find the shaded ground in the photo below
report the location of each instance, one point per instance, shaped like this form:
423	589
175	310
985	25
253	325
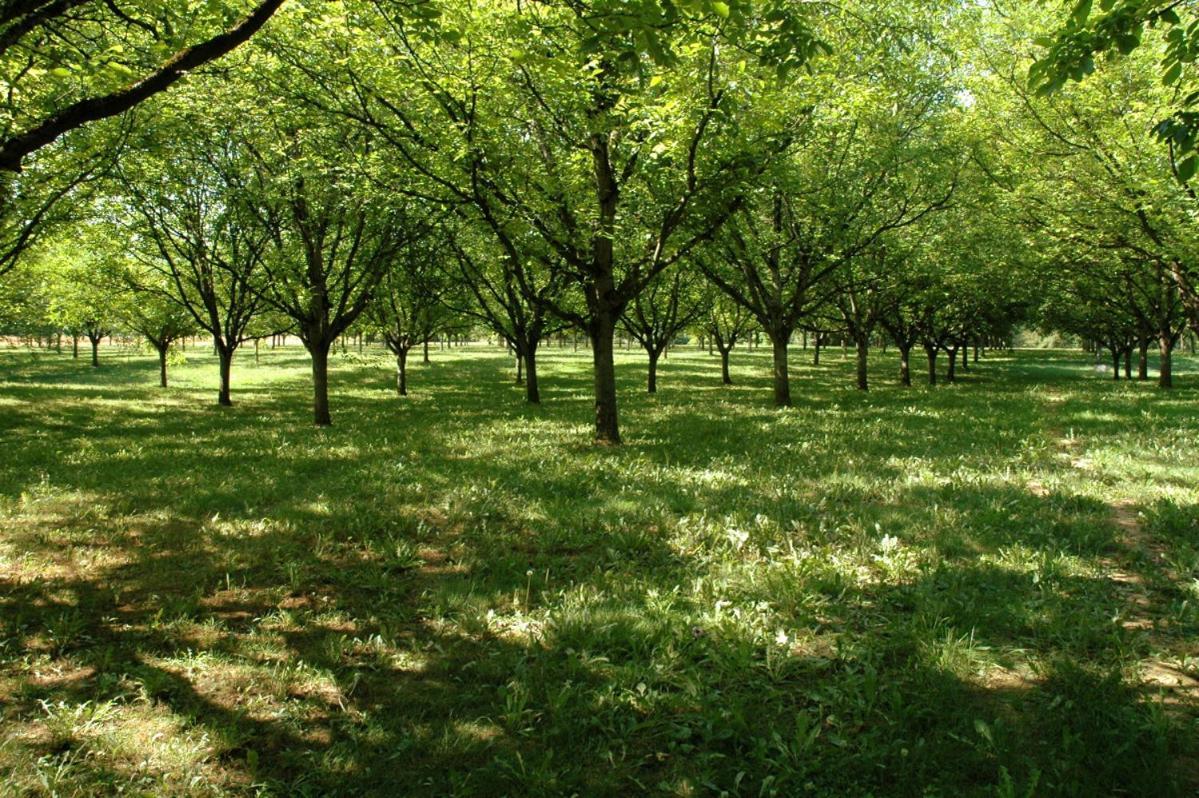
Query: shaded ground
983	589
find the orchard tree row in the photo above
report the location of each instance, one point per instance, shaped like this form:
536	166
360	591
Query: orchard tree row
924	174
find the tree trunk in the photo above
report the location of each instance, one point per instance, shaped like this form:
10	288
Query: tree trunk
402	371
520	369
75	346
863	345
816	350
782	379
95	352
320	383
1128	363
602	331
226	364
1143	359
724	367
532	390
1116	365
931	352
652	379
965	358
951	371
976	352
905	365
162	363
426	352
1165	368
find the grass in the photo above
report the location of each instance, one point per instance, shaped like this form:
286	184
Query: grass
990	588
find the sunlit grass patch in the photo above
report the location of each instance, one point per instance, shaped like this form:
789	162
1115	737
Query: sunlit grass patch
903	592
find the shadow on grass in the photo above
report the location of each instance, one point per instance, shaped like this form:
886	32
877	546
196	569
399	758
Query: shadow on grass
454	595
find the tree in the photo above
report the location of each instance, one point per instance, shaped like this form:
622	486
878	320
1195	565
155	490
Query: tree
188	206
158	318
333	237
68	64
85	299
592	129
71	62
410	308
510	295
726	322
657	315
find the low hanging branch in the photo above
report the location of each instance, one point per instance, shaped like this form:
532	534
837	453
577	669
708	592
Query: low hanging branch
14	149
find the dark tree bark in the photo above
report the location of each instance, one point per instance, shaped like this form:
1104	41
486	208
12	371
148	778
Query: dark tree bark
863	346
1165	368
1143	359
905	364
532	390
14	149
724	366
225	354
162	363
402	371
931	350
782	377
601	330
319	350
652	378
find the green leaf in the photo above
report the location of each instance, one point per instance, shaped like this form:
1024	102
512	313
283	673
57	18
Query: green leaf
721	9
1186	169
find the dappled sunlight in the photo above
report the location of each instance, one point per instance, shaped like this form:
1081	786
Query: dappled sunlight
886	584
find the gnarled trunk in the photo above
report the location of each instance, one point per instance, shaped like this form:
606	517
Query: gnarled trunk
651	383
724	367
931	352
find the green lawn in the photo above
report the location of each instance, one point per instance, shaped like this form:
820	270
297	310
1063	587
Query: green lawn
989	588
